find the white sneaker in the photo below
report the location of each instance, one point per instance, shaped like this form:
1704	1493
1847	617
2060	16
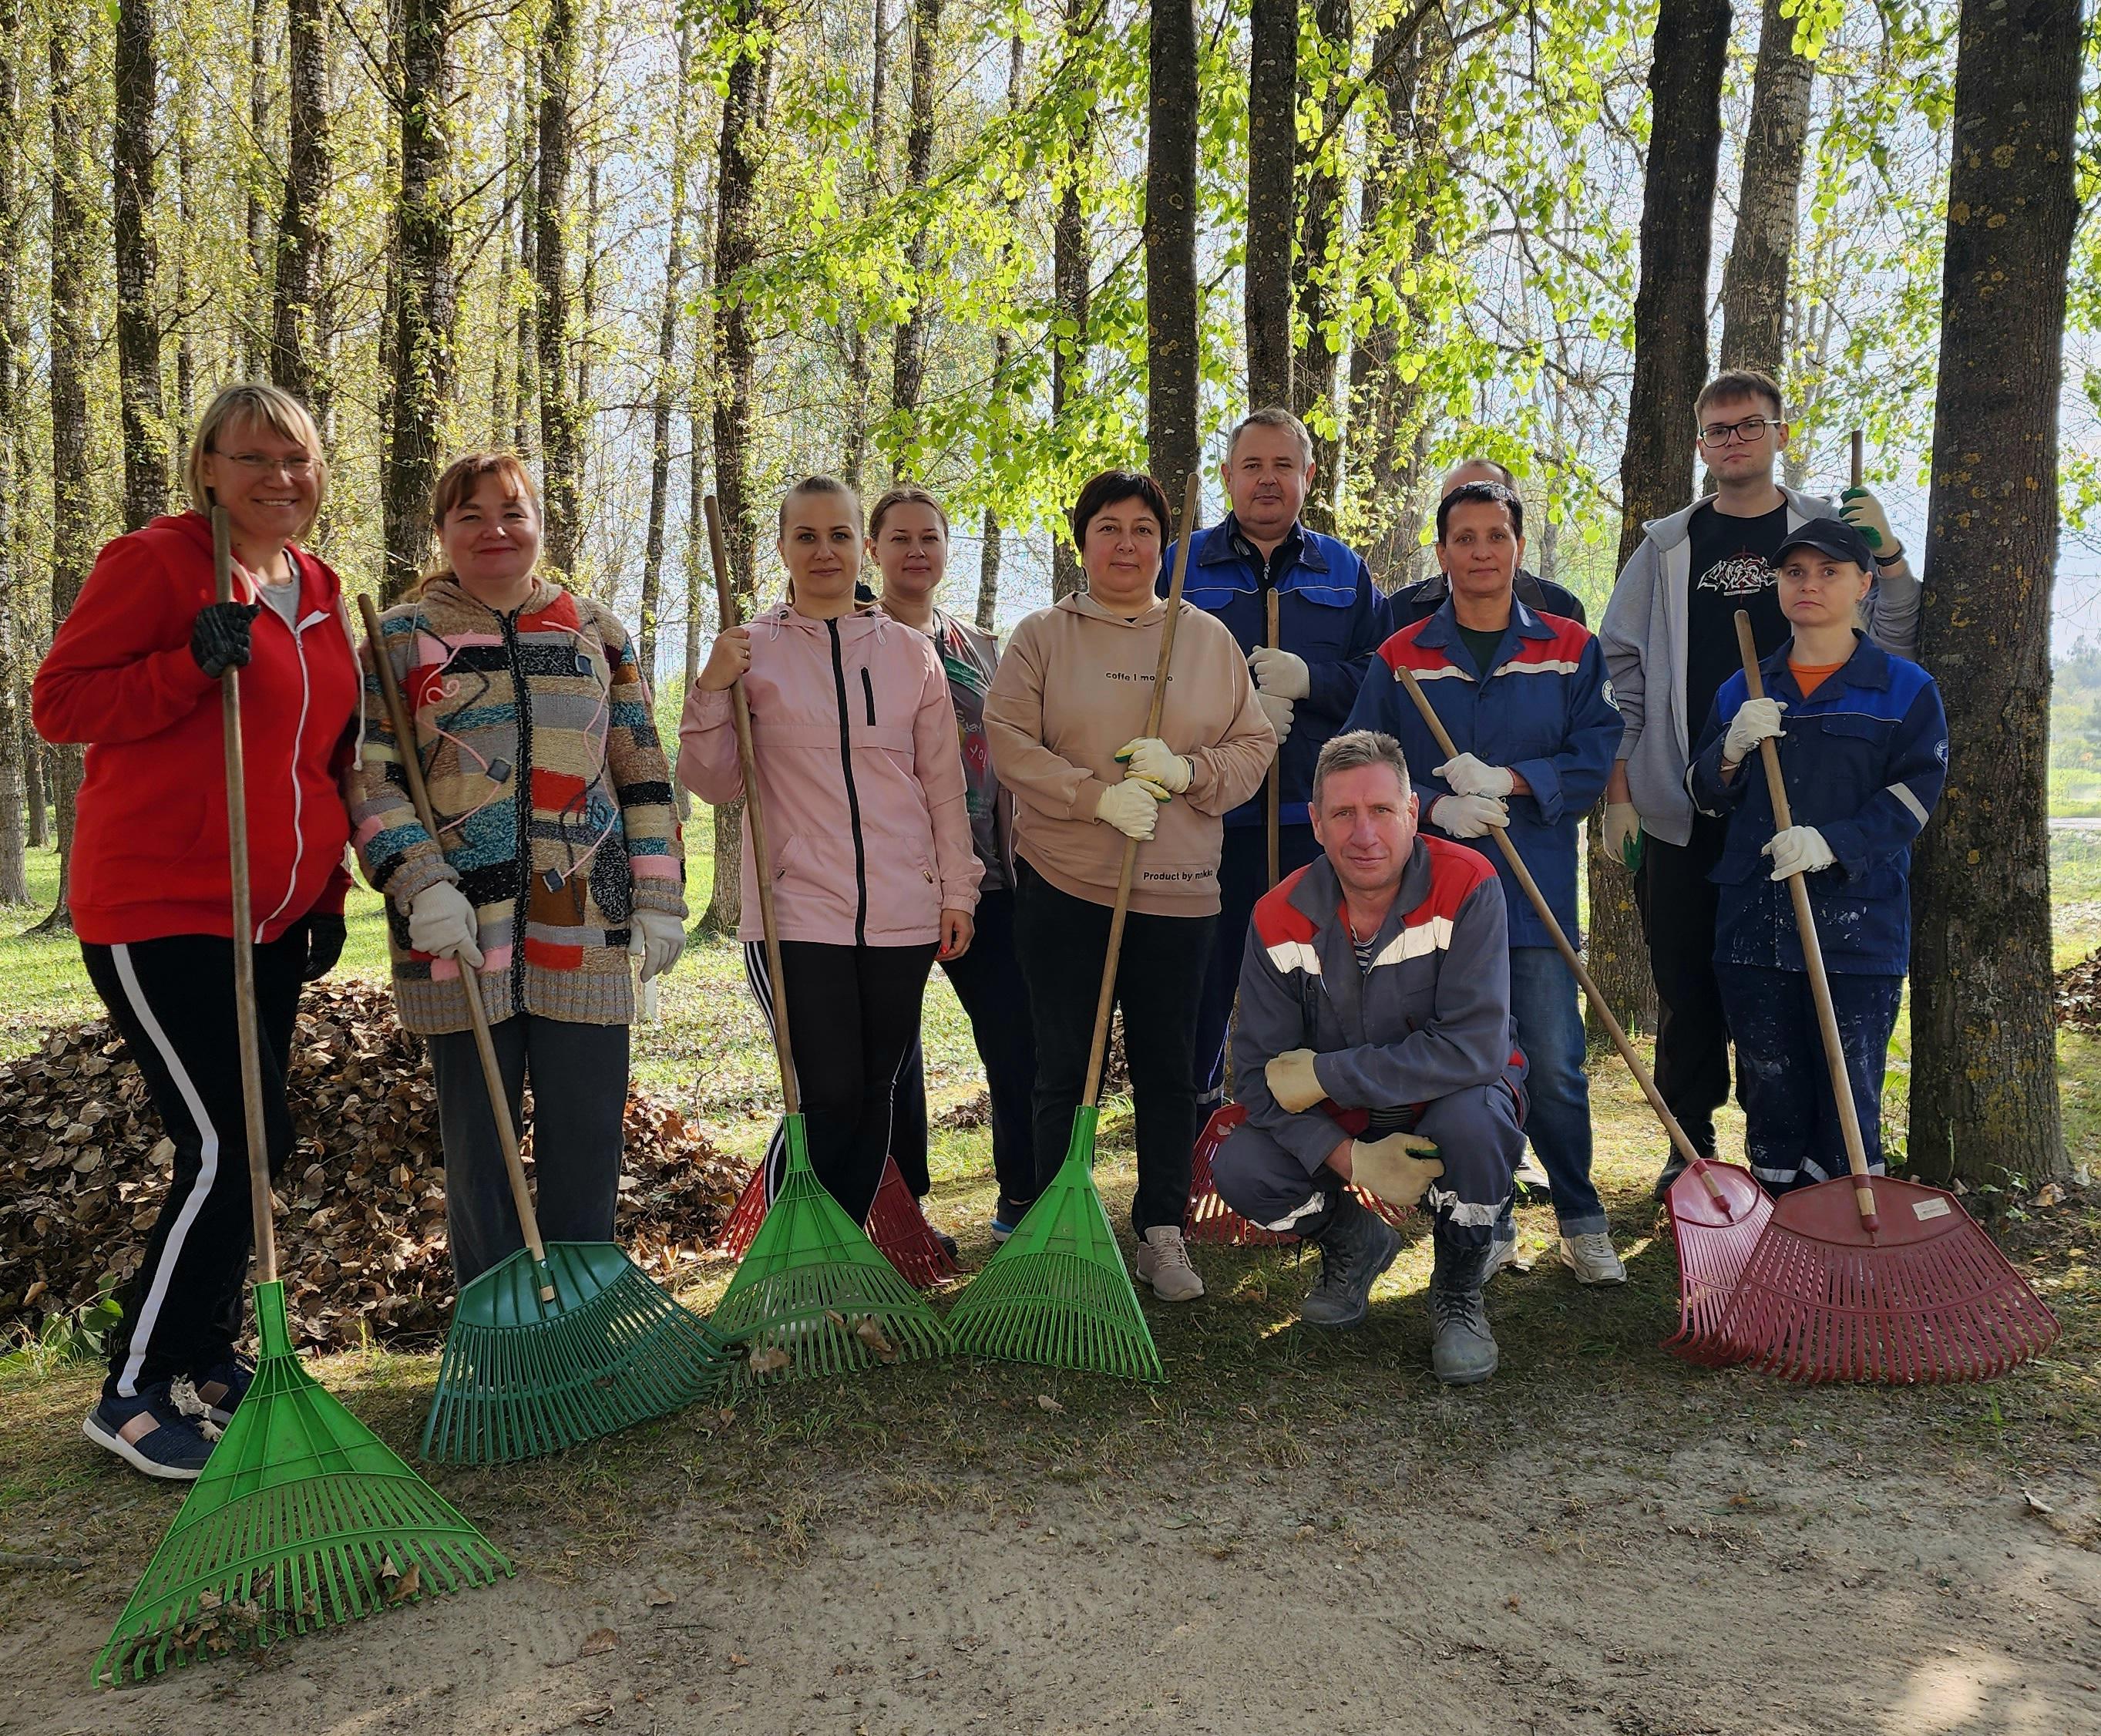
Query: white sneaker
1163	1262
1501	1254
1529	1172
1592	1259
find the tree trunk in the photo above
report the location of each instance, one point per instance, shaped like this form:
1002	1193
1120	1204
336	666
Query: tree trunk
561	443
1754	281
185	215
667	355
1670	366
528	223
35	775
73	202
296	343
860	366
1319	262
700	578
1071	279
908	361
1171	293
427	292
137	275
1272	166
1983	1084
255	333
16	760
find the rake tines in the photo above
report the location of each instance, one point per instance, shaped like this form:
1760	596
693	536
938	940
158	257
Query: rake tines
1717	1213
899	1227
745	1217
1208	1218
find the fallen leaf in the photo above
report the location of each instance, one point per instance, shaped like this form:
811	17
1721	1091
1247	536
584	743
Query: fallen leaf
870	1332
407	1585
737	1660
598	1642
2049	1194
1045	1401
768	1359
2036	1506
659	1598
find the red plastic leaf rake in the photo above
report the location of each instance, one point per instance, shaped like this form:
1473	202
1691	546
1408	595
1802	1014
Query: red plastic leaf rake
1834	1292
1210	1219
895	1224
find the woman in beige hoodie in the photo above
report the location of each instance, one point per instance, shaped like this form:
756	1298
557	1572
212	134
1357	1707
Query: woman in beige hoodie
1064	720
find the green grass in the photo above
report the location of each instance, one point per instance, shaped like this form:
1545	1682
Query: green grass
2075	793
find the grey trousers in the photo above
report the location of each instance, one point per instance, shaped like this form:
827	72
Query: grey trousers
579	1079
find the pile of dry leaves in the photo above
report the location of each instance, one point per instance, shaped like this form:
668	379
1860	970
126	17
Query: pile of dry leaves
2079	994
361	1210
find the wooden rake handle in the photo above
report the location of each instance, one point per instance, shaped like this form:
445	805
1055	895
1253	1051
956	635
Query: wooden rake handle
1569	957
1098	1052
754	819
491	1075
1812	953
1859	443
244	928
1273	797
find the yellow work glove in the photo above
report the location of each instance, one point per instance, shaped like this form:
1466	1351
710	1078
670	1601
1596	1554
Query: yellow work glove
1398	1168
1292	1081
1150	760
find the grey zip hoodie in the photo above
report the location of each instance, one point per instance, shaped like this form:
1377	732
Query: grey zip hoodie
1643	636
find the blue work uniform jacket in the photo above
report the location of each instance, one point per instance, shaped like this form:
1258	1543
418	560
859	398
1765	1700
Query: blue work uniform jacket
1542	710
1329	613
1863	760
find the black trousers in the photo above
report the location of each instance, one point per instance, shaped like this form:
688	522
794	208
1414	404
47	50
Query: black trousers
579	1079
1242	878
1677	904
173	1001
852	1012
1062	942
987	980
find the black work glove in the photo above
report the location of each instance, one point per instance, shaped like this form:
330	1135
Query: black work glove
218	636
324	935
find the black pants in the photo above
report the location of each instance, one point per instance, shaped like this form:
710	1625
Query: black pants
852	1012
579	1077
987	980
173	1001
1242	878
1677	904
1062	942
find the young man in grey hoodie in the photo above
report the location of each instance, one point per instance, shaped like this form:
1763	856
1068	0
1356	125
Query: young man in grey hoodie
1669	640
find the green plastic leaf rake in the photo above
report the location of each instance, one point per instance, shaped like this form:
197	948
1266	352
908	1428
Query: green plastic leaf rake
813	1295
522	1376
302	1518
1057	1292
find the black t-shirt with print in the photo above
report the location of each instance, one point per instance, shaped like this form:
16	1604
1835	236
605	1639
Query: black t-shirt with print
1731	570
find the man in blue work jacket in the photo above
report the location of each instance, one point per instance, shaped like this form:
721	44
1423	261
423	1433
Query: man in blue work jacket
1523	696
1330	620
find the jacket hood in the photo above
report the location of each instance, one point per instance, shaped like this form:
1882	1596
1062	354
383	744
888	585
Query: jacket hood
1083	603
858	623
1670	531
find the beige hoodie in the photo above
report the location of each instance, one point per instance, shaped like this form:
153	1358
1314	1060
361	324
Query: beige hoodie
1074	686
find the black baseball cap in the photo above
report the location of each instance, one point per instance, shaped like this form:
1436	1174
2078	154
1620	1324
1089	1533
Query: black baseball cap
1829	536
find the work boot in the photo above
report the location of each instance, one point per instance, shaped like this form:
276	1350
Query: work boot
1163	1262
1356	1245
1462	1350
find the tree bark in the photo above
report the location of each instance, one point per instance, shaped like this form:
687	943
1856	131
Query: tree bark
296	340
1071	279
561	429
427	295
1754	281
667	356
1670	366
137	72
1983	1084
861	367
73	202
1273	166
254	332
1171	293
16	759
908	359
1318	263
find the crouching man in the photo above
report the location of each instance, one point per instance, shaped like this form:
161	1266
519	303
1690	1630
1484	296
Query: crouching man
1374	1046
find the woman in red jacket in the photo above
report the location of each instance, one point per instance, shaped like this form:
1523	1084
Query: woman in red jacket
134	675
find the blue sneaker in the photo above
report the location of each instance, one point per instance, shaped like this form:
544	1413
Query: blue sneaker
1007	1218
149	1434
221	1386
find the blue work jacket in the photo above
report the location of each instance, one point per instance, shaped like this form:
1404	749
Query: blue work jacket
1863	760
1329	613
1542	710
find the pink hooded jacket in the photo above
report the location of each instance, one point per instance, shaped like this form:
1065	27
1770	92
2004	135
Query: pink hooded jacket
859	778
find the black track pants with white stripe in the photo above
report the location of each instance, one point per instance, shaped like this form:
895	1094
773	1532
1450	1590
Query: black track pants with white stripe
173	1000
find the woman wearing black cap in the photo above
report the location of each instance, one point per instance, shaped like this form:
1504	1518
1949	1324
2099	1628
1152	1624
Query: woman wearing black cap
1863	755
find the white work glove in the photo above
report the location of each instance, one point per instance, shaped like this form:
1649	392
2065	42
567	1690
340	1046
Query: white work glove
1398	1168
1278	710
1293	1081
1622	832
1467	815
1469	776
1800	849
1280	672
655	937
1755	720
1865	513
1151	760
442	923
1132	808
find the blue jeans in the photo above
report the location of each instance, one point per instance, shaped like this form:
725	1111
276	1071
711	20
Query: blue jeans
1550	1030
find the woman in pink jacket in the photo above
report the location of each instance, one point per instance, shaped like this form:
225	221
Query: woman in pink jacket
873	870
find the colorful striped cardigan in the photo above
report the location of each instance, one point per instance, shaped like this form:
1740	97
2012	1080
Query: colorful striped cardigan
549	703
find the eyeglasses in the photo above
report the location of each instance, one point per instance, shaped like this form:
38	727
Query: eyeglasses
257	464
1750	430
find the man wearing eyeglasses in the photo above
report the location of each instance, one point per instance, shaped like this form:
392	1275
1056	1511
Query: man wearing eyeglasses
1669	640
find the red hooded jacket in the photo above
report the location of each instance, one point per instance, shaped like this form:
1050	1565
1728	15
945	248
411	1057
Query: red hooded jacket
149	854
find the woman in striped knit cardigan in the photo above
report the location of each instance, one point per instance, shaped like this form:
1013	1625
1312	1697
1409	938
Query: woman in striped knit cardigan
558	856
